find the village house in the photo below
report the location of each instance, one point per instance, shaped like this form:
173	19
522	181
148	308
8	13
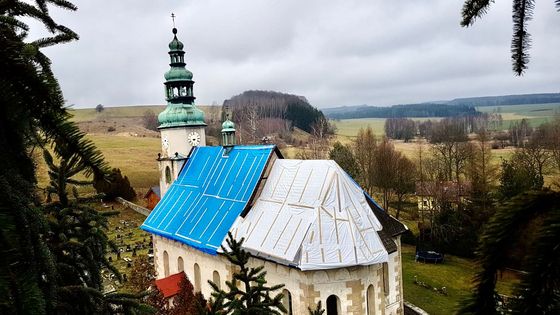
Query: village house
432	194
152	197
308	222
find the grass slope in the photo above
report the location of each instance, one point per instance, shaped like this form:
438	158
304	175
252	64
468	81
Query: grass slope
455	274
85	114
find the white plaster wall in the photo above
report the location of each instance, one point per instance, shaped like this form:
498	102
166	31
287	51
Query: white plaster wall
177	138
175	167
326	282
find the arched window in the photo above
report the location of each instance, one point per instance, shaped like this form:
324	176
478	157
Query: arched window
333	305
168	175
165	263
370	300
287	301
180	264
216	279
196	278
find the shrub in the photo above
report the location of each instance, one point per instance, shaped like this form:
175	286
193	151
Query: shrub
114	185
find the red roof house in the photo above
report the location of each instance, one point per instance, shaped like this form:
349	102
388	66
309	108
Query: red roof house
170	286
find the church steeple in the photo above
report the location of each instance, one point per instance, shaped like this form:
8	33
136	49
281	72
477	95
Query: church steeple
181	110
181	124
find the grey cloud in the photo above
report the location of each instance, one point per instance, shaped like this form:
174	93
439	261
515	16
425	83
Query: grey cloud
333	52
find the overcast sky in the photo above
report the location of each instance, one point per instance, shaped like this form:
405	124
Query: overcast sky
332	52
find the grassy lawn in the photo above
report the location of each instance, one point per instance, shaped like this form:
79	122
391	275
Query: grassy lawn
455	274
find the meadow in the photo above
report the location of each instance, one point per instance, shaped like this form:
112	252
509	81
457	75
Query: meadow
536	114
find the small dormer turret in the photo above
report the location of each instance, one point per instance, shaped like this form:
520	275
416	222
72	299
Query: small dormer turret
228	132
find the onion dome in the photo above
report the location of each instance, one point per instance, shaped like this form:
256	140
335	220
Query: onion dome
175	43
228	125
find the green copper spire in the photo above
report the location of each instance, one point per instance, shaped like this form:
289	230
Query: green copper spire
181	110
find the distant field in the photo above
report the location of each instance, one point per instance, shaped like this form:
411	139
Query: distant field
350	127
85	114
536	114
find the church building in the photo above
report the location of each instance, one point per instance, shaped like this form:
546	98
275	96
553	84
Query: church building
308	222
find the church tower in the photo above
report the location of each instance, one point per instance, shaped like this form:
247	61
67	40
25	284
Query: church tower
181	124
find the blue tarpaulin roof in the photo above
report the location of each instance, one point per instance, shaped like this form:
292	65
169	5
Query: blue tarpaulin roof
211	191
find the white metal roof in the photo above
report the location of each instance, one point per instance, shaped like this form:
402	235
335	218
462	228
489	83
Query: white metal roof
312	215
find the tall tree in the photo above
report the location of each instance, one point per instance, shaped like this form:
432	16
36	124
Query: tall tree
385	166
450	145
516	178
343	155
482	174
405	180
365	146
538	290
521	41
247	293
78	243
32	112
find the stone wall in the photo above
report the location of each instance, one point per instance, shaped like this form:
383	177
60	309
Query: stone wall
350	285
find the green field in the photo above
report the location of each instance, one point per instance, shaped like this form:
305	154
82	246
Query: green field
536	114
135	156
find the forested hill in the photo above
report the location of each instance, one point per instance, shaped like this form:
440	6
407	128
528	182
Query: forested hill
455	107
270	105
508	100
396	111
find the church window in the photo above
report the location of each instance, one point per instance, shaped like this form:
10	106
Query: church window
183	91
370	300
333	305
180	264
386	279
168	175
165	263
196	278
216	279
287	301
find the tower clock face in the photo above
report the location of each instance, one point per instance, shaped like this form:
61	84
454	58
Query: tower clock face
193	138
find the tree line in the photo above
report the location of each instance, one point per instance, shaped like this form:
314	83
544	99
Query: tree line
409	110
407	129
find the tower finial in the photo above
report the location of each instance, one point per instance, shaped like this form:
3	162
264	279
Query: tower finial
173	18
